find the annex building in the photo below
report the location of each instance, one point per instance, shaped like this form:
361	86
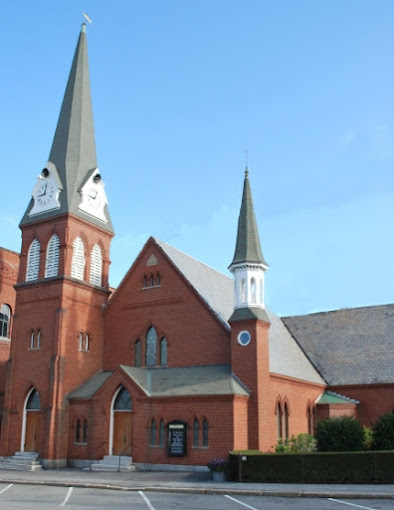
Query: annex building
180	363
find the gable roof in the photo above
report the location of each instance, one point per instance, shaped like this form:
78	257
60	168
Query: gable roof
351	346
217	290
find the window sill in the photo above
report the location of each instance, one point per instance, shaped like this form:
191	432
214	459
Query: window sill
80	444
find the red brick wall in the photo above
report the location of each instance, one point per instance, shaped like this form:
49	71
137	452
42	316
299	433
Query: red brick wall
375	400
193	335
60	308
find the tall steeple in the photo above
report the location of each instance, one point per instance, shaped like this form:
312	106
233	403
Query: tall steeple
72	160
248	265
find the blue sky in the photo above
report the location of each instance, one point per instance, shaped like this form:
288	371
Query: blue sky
180	89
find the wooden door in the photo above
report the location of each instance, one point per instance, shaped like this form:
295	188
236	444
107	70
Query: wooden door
32	431
123	433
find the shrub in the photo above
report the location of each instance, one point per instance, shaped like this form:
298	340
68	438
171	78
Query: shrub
340	434
303	443
367	438
218	465
383	433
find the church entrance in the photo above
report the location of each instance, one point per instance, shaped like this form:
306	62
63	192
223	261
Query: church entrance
32	422
122	423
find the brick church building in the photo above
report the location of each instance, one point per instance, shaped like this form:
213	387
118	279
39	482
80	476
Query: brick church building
180	363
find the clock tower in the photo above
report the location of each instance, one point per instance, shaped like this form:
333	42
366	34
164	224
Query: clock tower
63	282
249	321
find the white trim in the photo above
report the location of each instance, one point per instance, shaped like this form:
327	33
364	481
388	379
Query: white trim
24	420
111	422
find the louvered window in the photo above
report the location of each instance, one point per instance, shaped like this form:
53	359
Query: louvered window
33	261
96	265
78	261
52	262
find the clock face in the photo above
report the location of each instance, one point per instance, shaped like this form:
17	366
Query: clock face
95	197
244	338
45	193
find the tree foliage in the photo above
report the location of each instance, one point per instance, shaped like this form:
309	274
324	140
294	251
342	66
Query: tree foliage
383	432
339	434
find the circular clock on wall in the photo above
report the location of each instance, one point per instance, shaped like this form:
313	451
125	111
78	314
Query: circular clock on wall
244	338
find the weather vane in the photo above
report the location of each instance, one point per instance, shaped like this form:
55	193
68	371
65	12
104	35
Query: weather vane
86	17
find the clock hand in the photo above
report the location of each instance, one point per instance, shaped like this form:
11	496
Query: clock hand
45	191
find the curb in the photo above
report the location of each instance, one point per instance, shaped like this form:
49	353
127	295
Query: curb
208	490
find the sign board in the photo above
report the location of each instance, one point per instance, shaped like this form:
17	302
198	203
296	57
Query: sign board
177	439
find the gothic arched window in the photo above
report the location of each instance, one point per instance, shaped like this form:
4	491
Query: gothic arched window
5	321
78	259
33	261
195	433
123	401
161	433
279	420
52	261
153	432
137	353
151	341
163	352
205	441
96	266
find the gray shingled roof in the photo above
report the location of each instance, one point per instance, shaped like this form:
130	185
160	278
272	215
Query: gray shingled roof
352	346
217	290
73	148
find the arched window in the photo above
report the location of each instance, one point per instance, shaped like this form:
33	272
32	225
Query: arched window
85	431
253	289
205	441
35	340
78	259
123	401
153	432
243	292
96	266
52	261
77	431
38	342
145	284
86	344
80	342
163	352
5	320
33	402
151	281
32	336
285	426
161	433
158	280
151	340
137	353
279	420
195	433
33	261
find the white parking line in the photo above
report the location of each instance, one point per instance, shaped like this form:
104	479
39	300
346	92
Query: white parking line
350	504
150	506
67	497
240	502
6	488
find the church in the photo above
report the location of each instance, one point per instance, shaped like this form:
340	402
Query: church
179	364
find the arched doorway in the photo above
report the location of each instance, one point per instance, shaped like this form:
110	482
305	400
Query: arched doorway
121	433
31	429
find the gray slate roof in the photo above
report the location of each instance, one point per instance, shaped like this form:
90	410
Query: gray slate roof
74	148
217	290
352	346
91	386
186	381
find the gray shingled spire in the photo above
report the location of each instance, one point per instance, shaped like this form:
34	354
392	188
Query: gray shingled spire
73	148
247	249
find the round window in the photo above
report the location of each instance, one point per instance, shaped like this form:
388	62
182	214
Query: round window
244	338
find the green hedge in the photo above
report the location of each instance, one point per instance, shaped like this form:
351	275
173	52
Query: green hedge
327	467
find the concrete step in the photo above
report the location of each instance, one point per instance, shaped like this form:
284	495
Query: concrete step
21	461
114	463
20	467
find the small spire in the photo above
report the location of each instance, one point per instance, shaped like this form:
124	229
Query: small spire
247	249
83	28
